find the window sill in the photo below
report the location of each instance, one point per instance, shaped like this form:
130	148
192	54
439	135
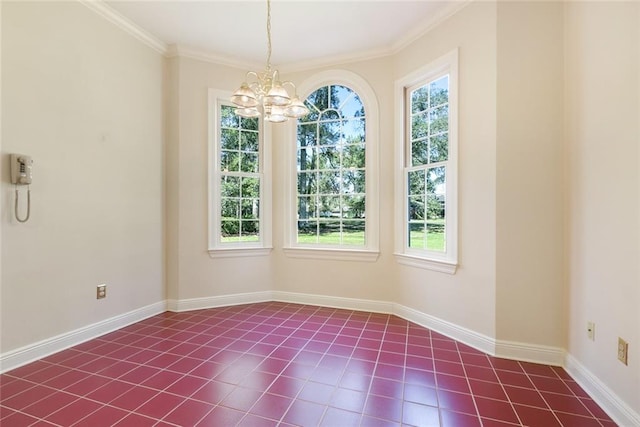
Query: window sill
238	252
427	264
333	254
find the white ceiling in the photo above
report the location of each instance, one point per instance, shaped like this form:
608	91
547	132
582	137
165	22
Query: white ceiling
314	32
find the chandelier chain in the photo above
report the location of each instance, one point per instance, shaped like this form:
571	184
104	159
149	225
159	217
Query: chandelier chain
269	35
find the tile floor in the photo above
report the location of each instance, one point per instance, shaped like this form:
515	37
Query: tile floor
290	365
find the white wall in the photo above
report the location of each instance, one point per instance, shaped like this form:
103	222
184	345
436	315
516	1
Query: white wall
85	100
603	230
530	295
191	272
467	298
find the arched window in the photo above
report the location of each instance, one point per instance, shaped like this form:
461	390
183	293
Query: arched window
335	201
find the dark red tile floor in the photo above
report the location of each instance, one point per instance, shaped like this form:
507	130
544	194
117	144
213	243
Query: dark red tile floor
286	364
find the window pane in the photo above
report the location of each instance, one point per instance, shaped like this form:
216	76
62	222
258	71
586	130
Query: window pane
249	123
307	207
353	156
329	182
249	141
250	187
328	158
353	206
353	181
307	135
353	233
230	229
307	232
329	206
307	183
230	208
339	95
354	130
419	152
250	209
439	148
417	234
439	119
320	98
228	117
419	100
419	126
229	139
439	91
329	133
416	208
249	231
249	162
328	115
416	182
230	186
229	161
306	159
329	232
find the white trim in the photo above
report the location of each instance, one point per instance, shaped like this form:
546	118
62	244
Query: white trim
467	336
212	58
239	252
427	264
530	352
29	353
447	63
610	402
334	302
126	25
372	167
333	254
218	301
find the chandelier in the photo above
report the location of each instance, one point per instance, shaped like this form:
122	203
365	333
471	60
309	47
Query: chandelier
262	93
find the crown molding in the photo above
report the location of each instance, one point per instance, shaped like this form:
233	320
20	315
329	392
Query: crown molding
429	24
125	24
200	55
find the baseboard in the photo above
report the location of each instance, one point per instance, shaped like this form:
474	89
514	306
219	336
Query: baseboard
451	330
530	352
29	353
334	302
618	410
218	301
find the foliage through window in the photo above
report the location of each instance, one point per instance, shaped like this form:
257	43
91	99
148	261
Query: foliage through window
428	139
239	177
331	154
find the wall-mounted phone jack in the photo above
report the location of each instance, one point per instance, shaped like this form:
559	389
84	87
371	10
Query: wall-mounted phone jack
623	351
101	291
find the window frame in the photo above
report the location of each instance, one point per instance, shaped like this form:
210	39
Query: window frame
447	261
370	251
217	248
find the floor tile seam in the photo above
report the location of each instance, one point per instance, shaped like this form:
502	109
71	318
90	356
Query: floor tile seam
308	380
513	408
213	406
277	376
38	419
366	401
545	401
473	396
51	413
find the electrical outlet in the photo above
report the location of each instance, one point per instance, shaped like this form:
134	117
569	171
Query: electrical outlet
623	351
591	331
101	291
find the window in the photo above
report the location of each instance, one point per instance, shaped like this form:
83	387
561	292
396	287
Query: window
333	193
237	182
427	148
